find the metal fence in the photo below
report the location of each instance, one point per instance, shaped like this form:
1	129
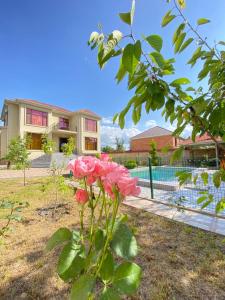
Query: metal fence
160	181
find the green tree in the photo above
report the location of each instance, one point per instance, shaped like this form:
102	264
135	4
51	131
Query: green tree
18	154
153	153
68	148
119	144
148	74
47	144
107	149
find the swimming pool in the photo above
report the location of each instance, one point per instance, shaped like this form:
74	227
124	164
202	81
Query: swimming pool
163	173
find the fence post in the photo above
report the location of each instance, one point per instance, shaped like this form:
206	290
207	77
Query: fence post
150	177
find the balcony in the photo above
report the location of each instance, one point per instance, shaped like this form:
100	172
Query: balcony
57	128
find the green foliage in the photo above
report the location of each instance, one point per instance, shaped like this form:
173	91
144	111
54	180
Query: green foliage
89	257
153	153
11	211
148	72
123	242
130	164
155	41
18	154
107	149
68	148
177	155
47	145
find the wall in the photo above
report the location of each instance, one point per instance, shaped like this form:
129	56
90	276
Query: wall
82	134
144	143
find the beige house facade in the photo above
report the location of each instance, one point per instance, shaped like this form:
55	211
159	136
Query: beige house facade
23	116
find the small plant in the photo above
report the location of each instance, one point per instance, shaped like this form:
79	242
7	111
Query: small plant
13	210
48	145
68	148
19	155
130	164
58	182
153	154
96	259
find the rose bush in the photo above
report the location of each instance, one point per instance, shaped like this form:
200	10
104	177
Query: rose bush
91	258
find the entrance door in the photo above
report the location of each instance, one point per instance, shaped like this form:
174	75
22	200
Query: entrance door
62	141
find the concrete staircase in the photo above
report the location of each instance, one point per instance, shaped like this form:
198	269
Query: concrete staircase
46	160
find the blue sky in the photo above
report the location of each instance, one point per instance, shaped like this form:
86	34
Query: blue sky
44	53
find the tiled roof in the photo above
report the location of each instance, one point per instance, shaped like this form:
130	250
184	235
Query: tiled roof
55	107
35	102
153	132
88	112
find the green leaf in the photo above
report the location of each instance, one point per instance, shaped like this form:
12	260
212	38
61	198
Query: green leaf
181	3
131	56
99	239
82	287
202	21
155	41
180	81
60	236
75	269
107	269
196	55
178	32
127	278
179	42
205	178
125	17
121	72
201	199
217	179
186	44
129	16
132	11
157	58
124	243
167	18
177	154
109	294
67	256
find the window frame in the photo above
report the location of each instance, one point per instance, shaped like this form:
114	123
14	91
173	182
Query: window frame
62	119
31	112
95	143
86	127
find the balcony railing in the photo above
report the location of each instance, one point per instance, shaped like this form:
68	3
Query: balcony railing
57	127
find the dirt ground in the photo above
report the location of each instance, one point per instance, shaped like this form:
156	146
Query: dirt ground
178	261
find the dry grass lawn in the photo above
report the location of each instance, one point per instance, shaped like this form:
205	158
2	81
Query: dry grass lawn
178	261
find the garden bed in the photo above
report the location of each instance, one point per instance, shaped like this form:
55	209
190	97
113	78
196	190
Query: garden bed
178	261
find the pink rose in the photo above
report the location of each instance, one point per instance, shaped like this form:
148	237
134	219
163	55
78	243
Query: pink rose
81	196
105	157
83	166
128	186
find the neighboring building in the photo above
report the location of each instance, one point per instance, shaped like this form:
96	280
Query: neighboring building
204	147
22	116
163	137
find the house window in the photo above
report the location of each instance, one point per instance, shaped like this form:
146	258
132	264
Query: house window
36	117
90	125
63	123
90	143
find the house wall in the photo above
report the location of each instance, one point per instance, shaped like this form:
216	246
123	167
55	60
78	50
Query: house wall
143	144
82	133
17	127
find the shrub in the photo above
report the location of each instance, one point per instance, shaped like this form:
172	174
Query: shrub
130	164
96	259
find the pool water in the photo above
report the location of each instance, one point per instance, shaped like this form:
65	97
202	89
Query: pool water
159	173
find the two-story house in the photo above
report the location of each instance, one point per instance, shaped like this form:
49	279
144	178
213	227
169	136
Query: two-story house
22	116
